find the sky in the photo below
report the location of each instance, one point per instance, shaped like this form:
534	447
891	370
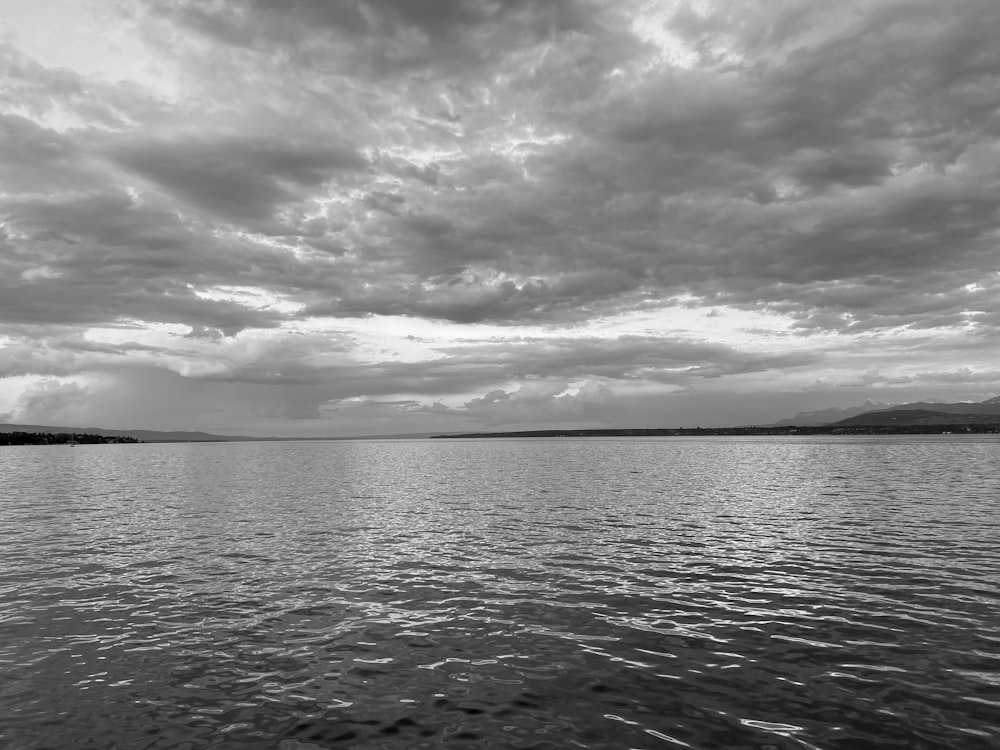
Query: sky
361	217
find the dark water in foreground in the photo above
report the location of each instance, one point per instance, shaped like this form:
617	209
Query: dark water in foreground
631	593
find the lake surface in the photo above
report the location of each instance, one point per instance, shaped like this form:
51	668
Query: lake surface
762	593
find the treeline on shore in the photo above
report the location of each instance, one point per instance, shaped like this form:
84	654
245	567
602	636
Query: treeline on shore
60	438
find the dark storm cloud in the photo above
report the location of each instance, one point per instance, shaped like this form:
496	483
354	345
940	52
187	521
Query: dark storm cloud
62	353
89	301
92	258
468	300
238	178
77	248
383	36
25	146
802	149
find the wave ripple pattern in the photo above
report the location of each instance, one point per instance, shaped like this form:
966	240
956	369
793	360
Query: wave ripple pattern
833	593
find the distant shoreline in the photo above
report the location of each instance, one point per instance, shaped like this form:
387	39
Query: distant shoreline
66	438
957	429
62	438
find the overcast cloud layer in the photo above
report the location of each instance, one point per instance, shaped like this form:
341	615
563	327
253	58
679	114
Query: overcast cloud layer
385	216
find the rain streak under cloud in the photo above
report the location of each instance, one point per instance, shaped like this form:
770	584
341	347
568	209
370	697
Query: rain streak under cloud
386	216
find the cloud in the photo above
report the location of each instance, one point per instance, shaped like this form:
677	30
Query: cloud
517	178
49	402
773	169
383	37
238	178
535	402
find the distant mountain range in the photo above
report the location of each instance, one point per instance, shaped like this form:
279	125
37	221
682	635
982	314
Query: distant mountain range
828	416
873	414
910	417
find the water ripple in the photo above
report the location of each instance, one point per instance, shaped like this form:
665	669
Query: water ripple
759	593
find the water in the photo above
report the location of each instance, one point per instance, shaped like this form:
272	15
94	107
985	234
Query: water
576	593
